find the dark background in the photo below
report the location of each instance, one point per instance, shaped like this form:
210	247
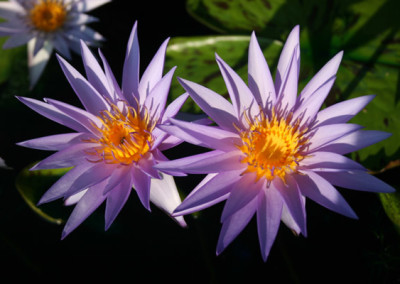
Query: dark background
150	247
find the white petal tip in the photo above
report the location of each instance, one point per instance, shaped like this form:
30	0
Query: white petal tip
181	222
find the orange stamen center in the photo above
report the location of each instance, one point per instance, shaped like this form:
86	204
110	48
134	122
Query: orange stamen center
48	15
125	136
272	146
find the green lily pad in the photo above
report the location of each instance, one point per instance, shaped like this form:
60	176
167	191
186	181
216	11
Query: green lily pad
383	113
391	205
9	59
33	184
233	16
375	27
358	27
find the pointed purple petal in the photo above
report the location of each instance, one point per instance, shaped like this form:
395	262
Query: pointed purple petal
173	108
7	28
65	158
92	176
357	180
160	157
17	39
147	165
157	98
286	56
164	194
10	9
38	45
243	192
153	72
259	76
288	220
331	161
269	214
53	113
119	175
343	111
292	197
355	141
232	226
87	94
213	104
329	133
83	117
169	142
88	203
94	73
130	77
141	183
61	46
321	191
60	187
54	142
165	141
241	96
287	94
221	162
326	73
159	137
116	92
179	165
117	199
179	133
213	163
310	107
212	189
213	137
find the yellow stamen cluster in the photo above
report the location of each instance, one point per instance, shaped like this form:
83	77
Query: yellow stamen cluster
48	15
125	136
272	146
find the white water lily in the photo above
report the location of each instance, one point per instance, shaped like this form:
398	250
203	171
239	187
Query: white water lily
45	25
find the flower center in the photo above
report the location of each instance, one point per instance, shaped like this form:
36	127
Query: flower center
272	146
48	15
125	136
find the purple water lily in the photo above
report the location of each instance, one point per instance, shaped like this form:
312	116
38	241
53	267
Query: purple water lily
46	25
272	148
117	141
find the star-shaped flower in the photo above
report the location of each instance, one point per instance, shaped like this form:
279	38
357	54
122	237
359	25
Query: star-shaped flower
46	25
272	147
117	141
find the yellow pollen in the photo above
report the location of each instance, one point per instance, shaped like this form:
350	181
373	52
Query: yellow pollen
272	146
125	136
48	15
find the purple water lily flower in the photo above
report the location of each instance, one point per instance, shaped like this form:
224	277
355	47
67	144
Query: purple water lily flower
117	141
272	148
46	25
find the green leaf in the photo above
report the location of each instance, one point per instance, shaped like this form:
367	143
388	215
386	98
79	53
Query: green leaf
369	26
195	58
391	205
383	113
234	16
9	59
358	27
33	184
